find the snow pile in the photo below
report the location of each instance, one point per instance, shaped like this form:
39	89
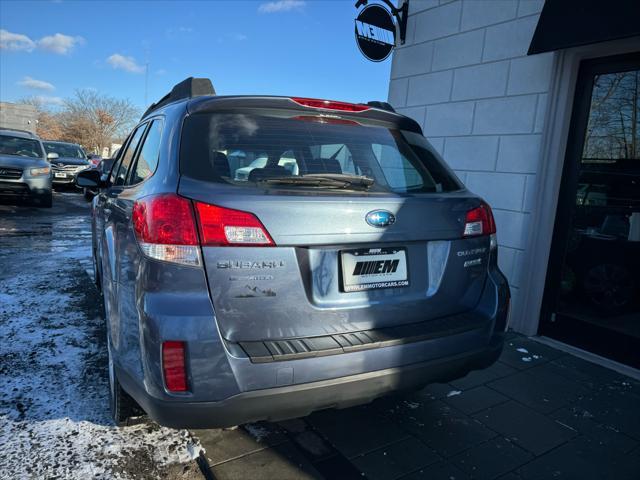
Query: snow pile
54	409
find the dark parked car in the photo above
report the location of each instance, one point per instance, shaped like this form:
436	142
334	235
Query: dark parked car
104	167
67	159
370	270
24	172
106	163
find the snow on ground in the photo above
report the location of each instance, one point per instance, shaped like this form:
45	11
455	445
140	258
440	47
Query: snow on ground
54	410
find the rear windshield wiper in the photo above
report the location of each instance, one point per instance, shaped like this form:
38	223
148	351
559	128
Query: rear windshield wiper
331	180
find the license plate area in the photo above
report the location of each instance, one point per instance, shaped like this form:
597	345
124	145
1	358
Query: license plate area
374	268
60	175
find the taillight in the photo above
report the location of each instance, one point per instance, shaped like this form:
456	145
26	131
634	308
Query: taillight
330	104
479	221
220	226
165	228
174	366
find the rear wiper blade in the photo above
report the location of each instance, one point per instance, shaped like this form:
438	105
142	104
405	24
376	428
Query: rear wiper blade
359	180
322	180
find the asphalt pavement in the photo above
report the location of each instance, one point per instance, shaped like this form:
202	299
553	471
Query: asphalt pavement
538	413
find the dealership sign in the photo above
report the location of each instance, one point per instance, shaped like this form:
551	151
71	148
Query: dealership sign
375	29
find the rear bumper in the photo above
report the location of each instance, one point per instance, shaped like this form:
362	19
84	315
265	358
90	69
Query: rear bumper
299	400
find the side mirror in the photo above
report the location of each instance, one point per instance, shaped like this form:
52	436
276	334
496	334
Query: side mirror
52	156
90	179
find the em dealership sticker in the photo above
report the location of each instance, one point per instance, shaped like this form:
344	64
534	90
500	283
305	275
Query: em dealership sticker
375	32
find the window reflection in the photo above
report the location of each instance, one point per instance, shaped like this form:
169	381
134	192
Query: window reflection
600	283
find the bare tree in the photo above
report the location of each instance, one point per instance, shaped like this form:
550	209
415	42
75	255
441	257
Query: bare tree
613	129
91	119
95	120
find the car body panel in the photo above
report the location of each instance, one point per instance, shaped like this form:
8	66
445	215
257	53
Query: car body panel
69	167
150	301
16	179
64	167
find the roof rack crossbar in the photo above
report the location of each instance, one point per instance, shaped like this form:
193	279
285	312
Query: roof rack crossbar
188	88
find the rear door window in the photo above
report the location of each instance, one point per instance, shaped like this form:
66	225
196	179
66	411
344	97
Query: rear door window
127	156
248	150
147	160
397	169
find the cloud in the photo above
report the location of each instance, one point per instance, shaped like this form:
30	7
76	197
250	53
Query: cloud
59	43
48	100
15	41
281	6
239	37
128	64
29	82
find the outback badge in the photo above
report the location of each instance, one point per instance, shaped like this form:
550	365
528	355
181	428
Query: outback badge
380	218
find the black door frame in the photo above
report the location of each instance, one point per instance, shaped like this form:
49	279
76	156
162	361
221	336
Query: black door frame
609	343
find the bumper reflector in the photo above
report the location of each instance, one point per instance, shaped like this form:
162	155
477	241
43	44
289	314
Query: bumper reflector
174	366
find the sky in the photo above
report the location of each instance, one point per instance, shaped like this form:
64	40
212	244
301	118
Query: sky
281	47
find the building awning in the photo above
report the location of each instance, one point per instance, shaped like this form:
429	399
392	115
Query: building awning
570	23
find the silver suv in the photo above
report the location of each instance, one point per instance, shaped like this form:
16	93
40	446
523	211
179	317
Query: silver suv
25	174
366	269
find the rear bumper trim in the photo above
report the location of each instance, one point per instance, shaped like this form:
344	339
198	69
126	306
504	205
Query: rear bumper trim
298	348
300	400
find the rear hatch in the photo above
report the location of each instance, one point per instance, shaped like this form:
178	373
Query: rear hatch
351	225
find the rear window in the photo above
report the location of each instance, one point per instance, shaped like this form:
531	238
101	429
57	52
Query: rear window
248	150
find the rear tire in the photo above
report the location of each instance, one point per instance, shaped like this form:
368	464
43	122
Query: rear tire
122	406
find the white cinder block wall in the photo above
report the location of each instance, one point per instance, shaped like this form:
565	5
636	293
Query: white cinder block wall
464	75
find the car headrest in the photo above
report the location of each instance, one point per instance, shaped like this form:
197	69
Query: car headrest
323	165
220	164
258	174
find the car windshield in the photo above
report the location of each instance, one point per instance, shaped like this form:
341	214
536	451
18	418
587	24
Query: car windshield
20	147
295	152
67	150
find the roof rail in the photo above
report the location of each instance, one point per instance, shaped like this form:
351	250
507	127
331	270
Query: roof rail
188	88
20	130
381	105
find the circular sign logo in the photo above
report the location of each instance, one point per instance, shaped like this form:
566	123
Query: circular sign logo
375	32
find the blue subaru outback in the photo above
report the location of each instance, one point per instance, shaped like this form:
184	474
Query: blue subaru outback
347	263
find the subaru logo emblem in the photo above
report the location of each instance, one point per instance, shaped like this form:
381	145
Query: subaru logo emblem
380	218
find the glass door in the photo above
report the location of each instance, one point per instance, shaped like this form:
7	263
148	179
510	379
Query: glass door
592	295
